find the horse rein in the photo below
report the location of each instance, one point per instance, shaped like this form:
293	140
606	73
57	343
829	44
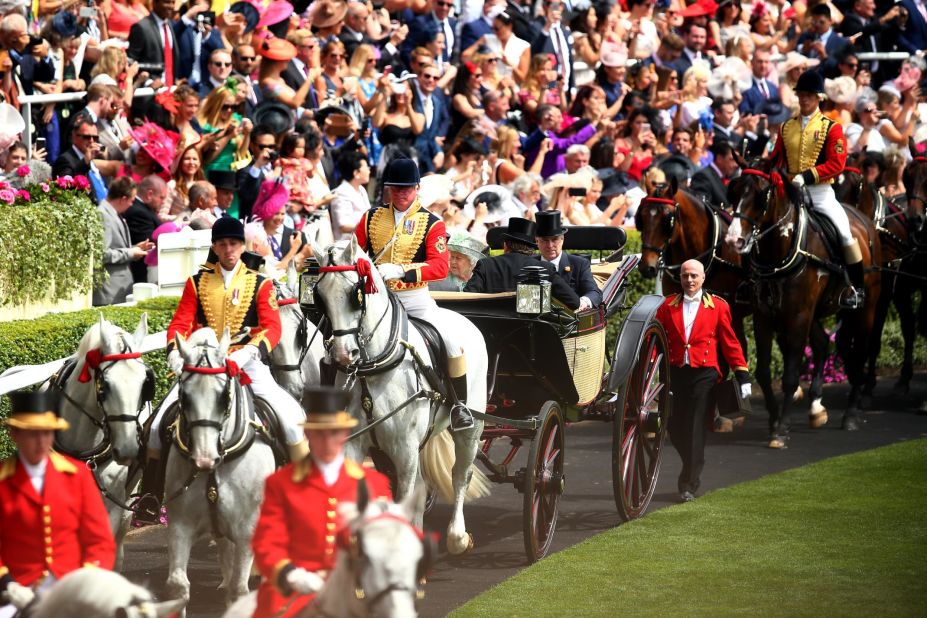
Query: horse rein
775	182
303	320
664	202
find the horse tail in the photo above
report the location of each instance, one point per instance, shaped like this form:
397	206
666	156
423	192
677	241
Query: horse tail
437	461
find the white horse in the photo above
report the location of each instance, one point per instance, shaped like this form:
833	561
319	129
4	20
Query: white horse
105	398
365	341
379	574
215	475
98	593
293	365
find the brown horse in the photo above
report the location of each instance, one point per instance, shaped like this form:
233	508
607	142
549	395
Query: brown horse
798	284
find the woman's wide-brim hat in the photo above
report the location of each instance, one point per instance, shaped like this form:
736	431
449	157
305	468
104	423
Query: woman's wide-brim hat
275	115
521	230
841	90
276	12
327	13
434	188
159	144
497	199
467	245
326	408
251	13
35	411
272	196
11	125
579	180
277	49
794	60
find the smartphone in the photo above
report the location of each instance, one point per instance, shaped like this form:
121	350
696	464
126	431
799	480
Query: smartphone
87	11
576	191
209	17
39	143
645	128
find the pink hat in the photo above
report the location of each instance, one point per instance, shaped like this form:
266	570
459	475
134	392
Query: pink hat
159	144
271	198
276	12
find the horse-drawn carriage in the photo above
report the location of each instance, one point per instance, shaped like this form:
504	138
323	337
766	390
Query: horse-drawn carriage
546	367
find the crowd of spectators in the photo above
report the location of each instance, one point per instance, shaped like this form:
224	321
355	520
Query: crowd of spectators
285	114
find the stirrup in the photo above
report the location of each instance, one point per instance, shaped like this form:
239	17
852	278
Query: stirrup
461	418
851	298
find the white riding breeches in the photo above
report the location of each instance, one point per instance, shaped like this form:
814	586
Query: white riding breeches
419	304
825	201
289	412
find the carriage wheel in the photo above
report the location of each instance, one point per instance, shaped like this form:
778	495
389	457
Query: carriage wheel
543	482
640	426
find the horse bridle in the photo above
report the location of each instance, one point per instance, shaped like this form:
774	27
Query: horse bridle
302	338
661	203
775	181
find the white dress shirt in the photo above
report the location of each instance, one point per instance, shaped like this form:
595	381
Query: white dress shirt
690	306
36	473
331	470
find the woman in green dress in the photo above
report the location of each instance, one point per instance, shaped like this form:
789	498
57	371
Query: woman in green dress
219	118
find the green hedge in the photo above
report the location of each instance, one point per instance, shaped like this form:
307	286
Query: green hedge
49	235
57	335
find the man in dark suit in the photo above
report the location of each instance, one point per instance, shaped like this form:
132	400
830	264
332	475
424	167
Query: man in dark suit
78	159
472	31
354	32
573	269
500	273
822	42
698	329
761	89
695	38
430	101
263	146
297	69
555	38
244	63
142	218
914	29
871	34
438	19
711	181
147	41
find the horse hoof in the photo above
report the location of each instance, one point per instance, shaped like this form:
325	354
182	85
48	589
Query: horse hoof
777	443
457	550
851	423
723	425
818	420
798	395
470	543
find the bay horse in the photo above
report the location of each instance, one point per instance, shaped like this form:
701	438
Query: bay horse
216	465
797	285
105	393
383	360
378	572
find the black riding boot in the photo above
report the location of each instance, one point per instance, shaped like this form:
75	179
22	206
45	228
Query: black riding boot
855	296
461	418
148	508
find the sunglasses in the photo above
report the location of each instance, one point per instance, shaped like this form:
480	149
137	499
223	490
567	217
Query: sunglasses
429	76
229	108
870	110
90	137
477	75
222	64
447	5
265	146
336	55
246	58
307	46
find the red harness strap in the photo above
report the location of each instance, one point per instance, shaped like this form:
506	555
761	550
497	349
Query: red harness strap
364	270
774	178
94	357
231	368
283	302
659	200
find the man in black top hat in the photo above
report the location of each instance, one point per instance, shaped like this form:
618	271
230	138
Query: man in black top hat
572	268
226	185
500	273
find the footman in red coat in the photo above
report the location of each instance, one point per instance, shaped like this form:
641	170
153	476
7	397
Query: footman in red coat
52	518
697	325
299	528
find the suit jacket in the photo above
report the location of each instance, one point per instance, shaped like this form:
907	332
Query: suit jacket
473	30
249	185
299	526
500	274
142	222
145	44
682	64
117	257
59	531
425	143
835	44
576	271
69	163
914	37
709	184
542	44
292	76
711	330
753	98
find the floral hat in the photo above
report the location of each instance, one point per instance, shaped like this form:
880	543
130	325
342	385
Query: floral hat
159	144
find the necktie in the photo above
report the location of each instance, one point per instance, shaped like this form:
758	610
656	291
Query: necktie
275	247
168	57
555	36
448	39
764	88
97	184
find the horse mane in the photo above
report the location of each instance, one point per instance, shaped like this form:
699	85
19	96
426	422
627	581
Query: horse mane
792	193
91	593
206	336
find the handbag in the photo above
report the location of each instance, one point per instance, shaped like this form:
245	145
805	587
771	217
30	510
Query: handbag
728	399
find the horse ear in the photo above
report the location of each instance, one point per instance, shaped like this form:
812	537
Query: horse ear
106	341
161	610
225	342
182	346
352	250
141	331
738	157
318	252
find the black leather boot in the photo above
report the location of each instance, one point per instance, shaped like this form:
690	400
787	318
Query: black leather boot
461	418
148	507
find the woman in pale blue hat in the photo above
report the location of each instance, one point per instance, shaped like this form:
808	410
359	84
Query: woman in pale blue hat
465	252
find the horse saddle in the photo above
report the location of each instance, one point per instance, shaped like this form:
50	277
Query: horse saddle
822	224
438	378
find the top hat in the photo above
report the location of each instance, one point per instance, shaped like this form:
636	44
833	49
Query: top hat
521	230
401	172
549	224
251	13
35	411
326	408
228	227
810	81
223	179
272	196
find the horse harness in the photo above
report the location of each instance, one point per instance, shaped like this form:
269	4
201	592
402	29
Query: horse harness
302	338
102	452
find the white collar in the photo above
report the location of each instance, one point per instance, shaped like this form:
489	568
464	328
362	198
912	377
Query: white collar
692	299
330	470
556	261
228	274
37	470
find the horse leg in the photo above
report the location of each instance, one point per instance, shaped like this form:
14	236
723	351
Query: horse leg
792	348
224	549
820	345
465	445
904	304
184	513
240	558
763	337
875	341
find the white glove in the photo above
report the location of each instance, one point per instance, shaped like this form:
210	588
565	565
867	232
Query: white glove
799	181
19	596
175	361
584	303
391	271
243	355
304	582
745	390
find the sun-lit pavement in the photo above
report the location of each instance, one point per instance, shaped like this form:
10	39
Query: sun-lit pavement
587	506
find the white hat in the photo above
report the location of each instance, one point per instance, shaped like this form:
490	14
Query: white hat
433	188
11	125
841	90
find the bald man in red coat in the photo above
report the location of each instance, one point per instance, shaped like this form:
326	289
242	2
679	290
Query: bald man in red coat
697	325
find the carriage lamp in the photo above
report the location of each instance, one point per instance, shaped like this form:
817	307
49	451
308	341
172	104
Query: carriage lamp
532	292
307	282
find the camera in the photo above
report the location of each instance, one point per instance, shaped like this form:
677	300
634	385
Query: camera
273	156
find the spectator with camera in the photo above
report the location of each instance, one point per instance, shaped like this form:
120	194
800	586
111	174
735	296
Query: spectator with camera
119	253
263	150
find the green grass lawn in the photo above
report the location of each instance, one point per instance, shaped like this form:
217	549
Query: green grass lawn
842	537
